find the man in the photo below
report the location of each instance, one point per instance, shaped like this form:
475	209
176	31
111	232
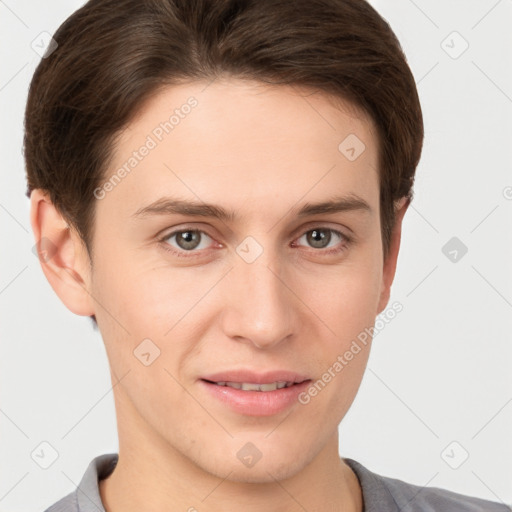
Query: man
221	186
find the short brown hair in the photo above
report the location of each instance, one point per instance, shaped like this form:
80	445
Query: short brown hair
112	55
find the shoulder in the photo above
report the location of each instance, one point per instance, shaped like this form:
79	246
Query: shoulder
68	503
86	497
397	495
428	499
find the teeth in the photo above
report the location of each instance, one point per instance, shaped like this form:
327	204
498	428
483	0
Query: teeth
248	386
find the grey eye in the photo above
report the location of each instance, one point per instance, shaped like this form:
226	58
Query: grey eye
187	239
319	238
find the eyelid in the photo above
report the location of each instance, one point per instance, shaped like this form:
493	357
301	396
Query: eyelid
310	226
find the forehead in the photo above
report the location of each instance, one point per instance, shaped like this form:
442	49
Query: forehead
245	145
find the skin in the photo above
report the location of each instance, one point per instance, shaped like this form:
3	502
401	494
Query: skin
263	152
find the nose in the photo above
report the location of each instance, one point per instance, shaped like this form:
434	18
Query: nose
260	308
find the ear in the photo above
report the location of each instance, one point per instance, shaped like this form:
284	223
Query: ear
62	254
389	268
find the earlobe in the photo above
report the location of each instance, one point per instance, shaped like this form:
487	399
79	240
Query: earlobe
390	262
63	258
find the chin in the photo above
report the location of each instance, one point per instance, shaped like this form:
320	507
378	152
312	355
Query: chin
273	463
259	474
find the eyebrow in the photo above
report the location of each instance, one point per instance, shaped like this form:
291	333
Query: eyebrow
169	206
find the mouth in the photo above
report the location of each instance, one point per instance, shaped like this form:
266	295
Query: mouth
253	394
250	386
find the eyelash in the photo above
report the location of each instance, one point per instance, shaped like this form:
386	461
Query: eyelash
195	253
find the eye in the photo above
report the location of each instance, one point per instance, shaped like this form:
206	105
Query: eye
192	241
186	240
321	237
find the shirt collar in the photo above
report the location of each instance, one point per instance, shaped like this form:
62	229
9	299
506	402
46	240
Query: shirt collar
88	493
376	496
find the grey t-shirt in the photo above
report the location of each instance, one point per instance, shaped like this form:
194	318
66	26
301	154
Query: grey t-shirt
380	493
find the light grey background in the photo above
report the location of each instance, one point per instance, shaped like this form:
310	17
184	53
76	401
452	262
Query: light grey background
439	372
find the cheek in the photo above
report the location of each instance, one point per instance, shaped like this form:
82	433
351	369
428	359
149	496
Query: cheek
348	307
346	297
139	309
139	292
145	301
347	304
127	305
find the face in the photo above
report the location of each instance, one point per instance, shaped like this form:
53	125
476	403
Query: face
272	291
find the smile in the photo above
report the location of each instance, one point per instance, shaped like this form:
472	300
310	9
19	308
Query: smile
249	386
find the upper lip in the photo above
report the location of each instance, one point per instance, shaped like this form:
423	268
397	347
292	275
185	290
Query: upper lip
253	377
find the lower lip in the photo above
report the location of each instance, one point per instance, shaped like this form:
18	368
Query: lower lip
256	403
